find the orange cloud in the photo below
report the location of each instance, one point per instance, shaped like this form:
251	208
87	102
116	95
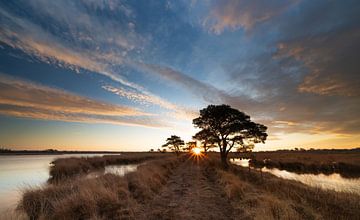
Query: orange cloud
25	99
177	112
331	62
234	14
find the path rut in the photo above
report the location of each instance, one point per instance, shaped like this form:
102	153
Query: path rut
190	193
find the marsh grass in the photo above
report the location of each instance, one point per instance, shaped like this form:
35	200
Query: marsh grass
64	168
105	197
258	197
346	163
252	195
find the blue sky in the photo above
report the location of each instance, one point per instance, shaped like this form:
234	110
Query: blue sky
124	75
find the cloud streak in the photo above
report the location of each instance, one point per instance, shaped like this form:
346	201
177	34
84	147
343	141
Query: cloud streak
198	88
176	111
296	72
99	47
25	99
331	61
234	14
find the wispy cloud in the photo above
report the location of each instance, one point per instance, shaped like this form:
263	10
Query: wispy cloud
198	88
301	113
29	37
312	81
174	111
141	98
331	61
234	14
99	47
25	99
89	44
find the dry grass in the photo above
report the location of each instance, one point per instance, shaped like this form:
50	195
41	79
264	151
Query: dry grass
64	168
247	195
106	197
314	156
347	163
13	215
269	197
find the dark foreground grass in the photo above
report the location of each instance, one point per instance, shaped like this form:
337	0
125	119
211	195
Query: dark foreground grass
265	196
64	168
105	197
346	162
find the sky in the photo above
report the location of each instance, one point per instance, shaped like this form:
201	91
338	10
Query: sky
125	75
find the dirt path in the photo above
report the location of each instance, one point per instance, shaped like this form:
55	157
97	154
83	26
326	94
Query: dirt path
190	194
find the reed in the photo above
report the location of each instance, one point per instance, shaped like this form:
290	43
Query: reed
104	197
64	168
344	162
258	195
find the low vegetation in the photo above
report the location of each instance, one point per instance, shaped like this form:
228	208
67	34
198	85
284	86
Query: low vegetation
345	162
256	195
197	185
106	197
64	168
246	194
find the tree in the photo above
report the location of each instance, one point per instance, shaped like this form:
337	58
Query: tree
207	140
175	144
229	128
246	148
190	145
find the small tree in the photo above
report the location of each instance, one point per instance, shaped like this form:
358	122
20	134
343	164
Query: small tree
246	148
229	128
207	140
190	145
175	144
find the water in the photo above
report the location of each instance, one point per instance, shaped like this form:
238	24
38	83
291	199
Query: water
20	171
241	162
120	170
330	182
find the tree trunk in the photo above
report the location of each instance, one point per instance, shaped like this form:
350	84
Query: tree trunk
224	160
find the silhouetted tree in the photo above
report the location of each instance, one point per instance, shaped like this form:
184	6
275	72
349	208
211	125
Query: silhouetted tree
190	145
246	148
207	139
175	144
230	128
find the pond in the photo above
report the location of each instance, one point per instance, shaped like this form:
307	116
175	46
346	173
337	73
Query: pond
328	182
18	172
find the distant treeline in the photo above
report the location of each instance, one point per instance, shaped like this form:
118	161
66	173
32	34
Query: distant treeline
4	150
313	150
7	151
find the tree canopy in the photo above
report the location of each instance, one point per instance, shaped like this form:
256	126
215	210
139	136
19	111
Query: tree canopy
229	128
206	138
175	144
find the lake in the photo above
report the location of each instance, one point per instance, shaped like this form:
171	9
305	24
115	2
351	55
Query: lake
18	172
329	182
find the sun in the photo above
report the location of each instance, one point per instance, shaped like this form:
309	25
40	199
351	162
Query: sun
196	151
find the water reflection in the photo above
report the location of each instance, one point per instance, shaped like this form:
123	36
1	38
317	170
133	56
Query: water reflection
19	171
241	162
330	182
120	170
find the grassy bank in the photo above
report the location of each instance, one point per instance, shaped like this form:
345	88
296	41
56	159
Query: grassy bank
105	197
64	168
254	196
170	187
346	162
